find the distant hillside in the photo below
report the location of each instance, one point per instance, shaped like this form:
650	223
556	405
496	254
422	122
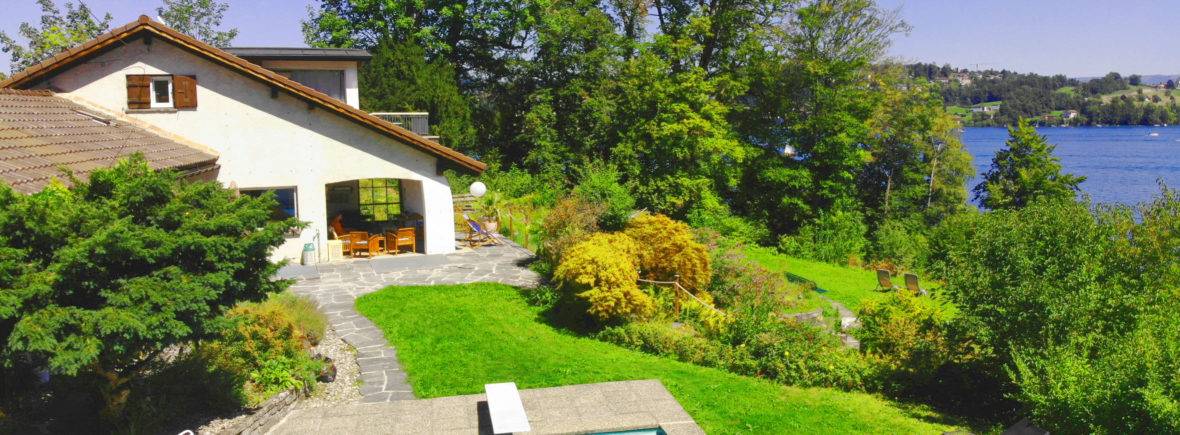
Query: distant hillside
992	97
1148	79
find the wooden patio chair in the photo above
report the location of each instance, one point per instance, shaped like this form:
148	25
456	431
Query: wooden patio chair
402	237
358	243
911	283
377	245
884	281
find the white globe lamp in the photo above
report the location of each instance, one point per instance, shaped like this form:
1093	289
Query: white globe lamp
478	189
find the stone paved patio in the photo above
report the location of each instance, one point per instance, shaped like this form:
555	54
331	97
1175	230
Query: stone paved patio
573	409
335	286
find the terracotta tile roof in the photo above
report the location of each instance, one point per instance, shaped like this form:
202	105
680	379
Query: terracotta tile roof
32	75
42	134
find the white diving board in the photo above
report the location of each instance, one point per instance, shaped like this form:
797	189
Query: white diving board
505	408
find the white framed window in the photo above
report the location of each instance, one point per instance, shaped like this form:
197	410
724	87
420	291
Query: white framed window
161	91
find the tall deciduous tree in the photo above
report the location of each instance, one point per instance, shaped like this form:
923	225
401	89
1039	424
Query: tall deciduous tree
918	166
400	78
57	33
813	96
1025	170
477	37
200	19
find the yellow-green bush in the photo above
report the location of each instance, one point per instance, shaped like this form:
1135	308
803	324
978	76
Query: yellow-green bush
667	248
265	347
602	271
310	321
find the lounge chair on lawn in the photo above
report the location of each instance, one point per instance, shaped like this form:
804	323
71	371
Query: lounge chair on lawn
884	281
911	283
478	235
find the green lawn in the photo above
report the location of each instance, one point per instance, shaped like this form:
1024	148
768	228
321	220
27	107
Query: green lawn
846	285
454	339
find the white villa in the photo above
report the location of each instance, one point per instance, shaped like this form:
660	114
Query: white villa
286	120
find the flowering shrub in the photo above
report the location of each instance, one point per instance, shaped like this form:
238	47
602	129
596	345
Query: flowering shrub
602	271
667	248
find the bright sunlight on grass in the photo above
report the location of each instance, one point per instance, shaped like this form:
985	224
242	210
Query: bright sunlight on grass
851	287
454	339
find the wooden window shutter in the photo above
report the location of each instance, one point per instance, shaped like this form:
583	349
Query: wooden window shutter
139	92
184	92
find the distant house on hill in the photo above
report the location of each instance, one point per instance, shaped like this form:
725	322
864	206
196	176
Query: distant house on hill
985	109
1069	114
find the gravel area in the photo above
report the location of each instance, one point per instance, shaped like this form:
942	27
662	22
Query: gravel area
344	390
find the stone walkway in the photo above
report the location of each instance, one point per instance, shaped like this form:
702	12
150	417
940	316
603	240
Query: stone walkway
335	286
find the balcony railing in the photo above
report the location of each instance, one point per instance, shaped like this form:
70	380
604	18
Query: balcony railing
417	122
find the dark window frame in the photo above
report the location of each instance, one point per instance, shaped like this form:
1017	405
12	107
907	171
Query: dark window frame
385	207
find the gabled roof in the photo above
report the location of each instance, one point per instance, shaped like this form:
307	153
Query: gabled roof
146	27
41	134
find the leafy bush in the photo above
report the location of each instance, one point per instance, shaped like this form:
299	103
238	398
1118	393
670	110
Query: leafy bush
681	343
667	248
102	277
837	236
798	354
601	270
739	280
1128	384
264	345
570	221
951	234
911	341
717	217
1116	370
302	312
1037	275
899	244
1061	297
600	185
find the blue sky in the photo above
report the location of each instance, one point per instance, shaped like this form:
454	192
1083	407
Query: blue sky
1076	37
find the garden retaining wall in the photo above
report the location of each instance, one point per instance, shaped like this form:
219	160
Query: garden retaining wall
266	416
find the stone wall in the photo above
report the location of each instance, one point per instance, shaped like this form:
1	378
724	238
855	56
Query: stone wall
266	416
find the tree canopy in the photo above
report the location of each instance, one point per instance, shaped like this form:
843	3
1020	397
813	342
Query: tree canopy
56	33
694	111
199	19
1024	171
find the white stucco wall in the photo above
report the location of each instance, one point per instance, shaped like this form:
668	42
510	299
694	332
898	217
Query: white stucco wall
269	142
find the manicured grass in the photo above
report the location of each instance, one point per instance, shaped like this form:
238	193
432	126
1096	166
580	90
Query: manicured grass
454	339
849	286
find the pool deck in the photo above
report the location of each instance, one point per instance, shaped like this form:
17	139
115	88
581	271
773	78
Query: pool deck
573	409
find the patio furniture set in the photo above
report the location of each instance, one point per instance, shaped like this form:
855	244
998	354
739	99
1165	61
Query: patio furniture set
356	243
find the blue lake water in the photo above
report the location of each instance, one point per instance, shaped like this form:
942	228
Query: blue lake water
1121	164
